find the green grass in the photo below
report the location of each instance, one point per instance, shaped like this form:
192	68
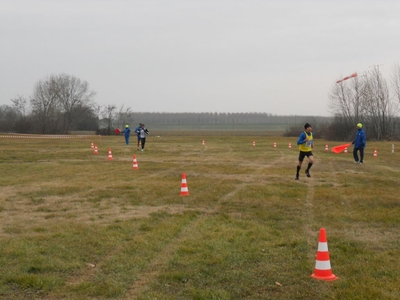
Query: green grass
74	225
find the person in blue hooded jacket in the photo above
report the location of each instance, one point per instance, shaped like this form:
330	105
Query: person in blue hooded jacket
127	134
359	144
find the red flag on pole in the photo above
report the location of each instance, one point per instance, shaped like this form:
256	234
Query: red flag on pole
347	77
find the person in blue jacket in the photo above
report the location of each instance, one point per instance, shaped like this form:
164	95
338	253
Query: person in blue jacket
359	144
127	134
137	131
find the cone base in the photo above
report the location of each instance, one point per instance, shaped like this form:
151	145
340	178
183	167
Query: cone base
327	278
184	194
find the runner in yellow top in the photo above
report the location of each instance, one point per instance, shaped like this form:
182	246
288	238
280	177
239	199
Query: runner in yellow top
306	143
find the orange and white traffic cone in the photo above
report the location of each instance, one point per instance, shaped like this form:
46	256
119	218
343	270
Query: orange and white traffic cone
323	269
254	143
275	145
96	151
290	145
326	147
345	150
135	164
184	187
92	145
109	154
203	143
375	153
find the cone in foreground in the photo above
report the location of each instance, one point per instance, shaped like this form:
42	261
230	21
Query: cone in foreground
135	164
109	154
323	269
184	187
375	153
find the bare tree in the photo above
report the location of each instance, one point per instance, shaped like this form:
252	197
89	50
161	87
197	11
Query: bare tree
396	83
20	106
347	100
123	115
108	115
73	94
380	109
45	105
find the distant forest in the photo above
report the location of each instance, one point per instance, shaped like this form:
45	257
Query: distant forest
221	121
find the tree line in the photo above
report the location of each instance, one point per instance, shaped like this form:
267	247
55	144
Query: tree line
63	103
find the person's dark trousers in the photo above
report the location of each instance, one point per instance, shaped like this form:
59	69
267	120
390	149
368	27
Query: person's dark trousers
127	140
361	154
143	141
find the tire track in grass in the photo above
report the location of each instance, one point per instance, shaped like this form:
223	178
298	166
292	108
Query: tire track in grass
308	218
159	263
311	235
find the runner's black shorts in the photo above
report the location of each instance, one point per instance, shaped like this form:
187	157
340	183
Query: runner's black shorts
303	154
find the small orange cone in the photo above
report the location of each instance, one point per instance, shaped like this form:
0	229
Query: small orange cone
92	145
135	164
203	143
275	145
109	154
326	147
323	269
290	145
345	150
184	187
96	151
375	153
254	143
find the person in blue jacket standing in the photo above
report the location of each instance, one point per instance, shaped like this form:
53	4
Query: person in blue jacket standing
127	134
359	144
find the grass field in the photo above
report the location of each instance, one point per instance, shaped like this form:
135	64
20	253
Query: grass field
74	225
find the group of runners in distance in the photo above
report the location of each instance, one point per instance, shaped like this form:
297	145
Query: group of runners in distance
141	132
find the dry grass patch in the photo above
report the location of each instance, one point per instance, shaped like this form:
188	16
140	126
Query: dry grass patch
74	225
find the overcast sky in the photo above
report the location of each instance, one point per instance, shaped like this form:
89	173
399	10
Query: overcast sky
273	56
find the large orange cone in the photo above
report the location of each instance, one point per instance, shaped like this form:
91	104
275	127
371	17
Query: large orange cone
109	154
96	151
184	187
323	269
135	164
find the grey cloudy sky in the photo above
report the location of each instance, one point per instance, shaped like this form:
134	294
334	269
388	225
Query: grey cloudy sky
274	56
